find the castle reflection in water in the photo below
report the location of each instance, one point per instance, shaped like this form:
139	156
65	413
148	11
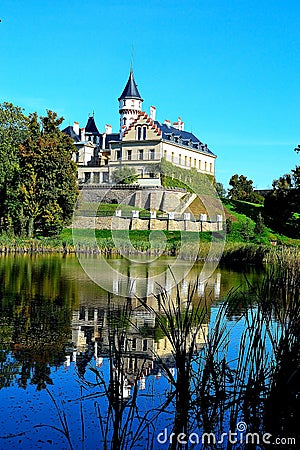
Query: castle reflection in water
141	345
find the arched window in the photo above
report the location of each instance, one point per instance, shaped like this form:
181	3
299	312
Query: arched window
124	121
144	133
138	133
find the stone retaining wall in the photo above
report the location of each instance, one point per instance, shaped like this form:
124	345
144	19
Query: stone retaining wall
156	199
119	223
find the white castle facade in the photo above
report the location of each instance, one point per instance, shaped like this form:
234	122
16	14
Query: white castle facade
141	143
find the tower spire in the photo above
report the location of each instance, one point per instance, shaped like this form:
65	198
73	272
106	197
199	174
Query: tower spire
131	59
130	103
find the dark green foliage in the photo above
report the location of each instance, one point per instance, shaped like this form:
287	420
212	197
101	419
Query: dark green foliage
13	130
228	226
282	205
37	175
242	189
259	226
48	176
221	191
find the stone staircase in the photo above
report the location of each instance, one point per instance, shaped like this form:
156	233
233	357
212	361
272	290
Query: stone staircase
185	202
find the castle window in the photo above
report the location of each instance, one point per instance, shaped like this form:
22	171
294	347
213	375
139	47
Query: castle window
165	154
124	121
185	160
144	133
141	154
129	155
210	167
172	158
134	344
205	166
139	133
151	153
195	162
190	162
199	164
179	159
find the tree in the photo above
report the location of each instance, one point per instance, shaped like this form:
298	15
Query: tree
282	205
242	189
124	175
48	187
13	130
247	229
259	226
221	191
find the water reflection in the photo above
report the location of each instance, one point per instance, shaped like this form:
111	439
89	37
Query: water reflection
58	328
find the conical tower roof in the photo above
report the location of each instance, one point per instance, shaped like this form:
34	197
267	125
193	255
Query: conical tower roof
91	126
130	90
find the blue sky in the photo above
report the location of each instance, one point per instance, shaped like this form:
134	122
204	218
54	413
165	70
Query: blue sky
229	68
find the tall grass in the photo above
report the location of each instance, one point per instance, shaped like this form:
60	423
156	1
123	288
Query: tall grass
215	386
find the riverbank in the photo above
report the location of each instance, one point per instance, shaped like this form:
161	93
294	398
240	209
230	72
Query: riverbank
133	242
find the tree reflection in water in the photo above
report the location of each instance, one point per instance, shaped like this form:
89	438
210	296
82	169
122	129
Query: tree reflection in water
243	366
212	386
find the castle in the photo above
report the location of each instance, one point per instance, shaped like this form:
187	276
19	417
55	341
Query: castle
141	143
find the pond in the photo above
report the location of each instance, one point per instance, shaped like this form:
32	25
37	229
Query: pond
85	367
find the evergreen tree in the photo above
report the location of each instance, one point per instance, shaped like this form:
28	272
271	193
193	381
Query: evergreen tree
259	226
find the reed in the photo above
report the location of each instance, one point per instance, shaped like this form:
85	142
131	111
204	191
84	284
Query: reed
215	386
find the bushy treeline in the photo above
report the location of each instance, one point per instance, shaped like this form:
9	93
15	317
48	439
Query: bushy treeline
282	205
38	186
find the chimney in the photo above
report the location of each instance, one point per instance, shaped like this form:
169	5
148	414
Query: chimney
108	129
82	134
179	125
152	112
76	128
167	122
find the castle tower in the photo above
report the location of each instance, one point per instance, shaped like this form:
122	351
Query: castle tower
91	131
130	103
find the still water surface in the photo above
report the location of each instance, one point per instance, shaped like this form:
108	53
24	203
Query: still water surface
55	331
